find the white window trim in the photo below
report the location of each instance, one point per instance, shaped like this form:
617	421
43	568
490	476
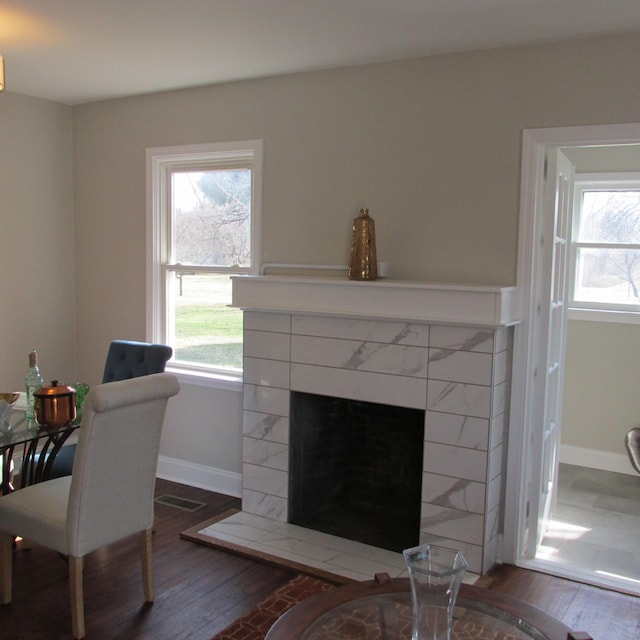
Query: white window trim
597	312
158	161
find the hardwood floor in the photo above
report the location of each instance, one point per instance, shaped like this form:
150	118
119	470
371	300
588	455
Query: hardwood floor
200	590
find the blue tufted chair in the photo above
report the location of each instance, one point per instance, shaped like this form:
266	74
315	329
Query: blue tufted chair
125	359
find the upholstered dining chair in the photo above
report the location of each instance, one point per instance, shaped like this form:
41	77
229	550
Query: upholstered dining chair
632	443
130	359
110	494
125	359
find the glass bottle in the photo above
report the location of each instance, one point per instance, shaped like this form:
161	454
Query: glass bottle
33	381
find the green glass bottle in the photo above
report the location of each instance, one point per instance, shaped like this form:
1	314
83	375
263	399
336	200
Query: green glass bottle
33	381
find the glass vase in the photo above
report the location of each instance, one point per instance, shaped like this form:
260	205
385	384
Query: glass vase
435	574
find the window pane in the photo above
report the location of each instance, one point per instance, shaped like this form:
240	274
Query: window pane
610	216
608	275
211	213
206	330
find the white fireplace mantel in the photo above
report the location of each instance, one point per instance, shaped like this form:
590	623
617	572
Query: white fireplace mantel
384	299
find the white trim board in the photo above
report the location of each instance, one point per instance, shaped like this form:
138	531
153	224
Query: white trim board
593	459
201	476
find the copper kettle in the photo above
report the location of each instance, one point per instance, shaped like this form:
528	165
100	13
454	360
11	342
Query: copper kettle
55	406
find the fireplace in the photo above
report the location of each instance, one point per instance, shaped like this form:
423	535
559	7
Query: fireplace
355	469
443	353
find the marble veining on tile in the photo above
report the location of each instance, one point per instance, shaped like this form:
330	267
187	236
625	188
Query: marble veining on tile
457	375
453	492
318	550
367	330
265	426
461	339
364	356
460	366
465	399
456	430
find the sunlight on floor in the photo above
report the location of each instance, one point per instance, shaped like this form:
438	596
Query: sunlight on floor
565	530
592	535
617	576
557	534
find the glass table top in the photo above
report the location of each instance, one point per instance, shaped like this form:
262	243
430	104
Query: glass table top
20	431
388	616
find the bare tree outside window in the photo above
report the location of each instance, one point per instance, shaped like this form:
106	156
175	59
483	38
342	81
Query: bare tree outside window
212	217
211	227
608	247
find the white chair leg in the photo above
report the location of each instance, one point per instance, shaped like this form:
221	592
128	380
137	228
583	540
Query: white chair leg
77	596
6	562
147	565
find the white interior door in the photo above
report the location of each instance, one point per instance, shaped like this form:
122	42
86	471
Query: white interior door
548	372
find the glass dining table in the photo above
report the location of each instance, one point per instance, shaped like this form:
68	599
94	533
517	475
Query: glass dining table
33	445
382	609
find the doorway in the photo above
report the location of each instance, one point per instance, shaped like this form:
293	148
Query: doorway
532	463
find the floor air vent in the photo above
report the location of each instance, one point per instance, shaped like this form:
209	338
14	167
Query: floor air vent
180	503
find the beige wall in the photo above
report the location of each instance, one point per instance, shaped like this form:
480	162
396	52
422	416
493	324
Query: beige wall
431	146
36	239
601	385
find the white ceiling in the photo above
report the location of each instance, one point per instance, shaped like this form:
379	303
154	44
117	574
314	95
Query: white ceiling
75	51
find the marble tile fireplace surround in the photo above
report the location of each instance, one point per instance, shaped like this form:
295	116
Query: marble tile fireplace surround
445	350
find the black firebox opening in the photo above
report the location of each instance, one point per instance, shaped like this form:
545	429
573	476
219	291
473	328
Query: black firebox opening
355	469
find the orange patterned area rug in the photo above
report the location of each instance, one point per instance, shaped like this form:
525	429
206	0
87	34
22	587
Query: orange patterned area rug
255	624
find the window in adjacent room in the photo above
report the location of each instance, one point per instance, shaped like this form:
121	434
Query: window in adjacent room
605	256
204	227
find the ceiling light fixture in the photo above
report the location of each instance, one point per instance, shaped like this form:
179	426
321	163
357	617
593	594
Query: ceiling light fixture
1	73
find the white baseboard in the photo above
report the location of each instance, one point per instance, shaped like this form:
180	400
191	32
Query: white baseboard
593	459
197	475
229	483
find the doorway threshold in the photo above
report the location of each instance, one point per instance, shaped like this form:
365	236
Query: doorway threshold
593	577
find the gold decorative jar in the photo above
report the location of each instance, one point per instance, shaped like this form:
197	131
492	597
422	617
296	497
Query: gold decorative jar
363	264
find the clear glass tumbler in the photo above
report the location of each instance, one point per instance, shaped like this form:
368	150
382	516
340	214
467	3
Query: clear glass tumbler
436	574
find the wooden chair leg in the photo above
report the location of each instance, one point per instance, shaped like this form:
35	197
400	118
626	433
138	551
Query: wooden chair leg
6	570
77	596
147	564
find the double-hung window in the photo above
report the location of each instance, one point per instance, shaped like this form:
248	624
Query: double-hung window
605	255
203	226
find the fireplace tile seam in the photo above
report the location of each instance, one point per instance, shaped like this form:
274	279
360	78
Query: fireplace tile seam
459	379
263	453
440	336
277	322
265	426
453	491
500	343
457	430
453	523
386	331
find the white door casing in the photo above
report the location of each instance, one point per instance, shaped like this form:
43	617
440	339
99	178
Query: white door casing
535	335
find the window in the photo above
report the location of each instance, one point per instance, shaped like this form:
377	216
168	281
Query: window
606	243
204	226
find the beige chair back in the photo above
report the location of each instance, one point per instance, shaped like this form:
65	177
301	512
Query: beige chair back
114	470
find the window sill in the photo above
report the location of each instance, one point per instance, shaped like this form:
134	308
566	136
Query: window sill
603	315
230	382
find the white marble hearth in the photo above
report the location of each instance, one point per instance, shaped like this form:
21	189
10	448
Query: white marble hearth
458	373
266	538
